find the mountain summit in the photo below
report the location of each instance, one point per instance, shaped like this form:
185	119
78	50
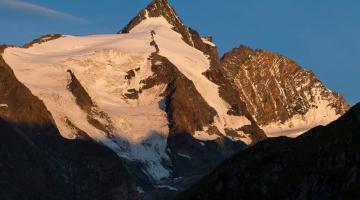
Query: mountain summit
161	8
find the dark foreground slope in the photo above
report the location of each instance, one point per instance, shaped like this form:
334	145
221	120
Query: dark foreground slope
49	167
321	164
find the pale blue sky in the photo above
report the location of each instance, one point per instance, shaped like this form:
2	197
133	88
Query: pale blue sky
321	35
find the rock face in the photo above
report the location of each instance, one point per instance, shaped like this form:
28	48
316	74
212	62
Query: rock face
37	163
321	164
284	98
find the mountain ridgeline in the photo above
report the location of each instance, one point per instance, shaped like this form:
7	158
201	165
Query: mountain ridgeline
147	112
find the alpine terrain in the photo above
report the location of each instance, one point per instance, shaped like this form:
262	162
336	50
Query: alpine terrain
146	112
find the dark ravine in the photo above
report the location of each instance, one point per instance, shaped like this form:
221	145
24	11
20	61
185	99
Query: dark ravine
321	164
37	163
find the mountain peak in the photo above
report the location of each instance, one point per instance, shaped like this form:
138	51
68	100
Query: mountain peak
161	8
159	2
157	8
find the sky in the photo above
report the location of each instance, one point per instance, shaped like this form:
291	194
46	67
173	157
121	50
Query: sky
321	35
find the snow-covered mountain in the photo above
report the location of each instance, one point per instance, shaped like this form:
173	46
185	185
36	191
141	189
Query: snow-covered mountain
141	93
159	96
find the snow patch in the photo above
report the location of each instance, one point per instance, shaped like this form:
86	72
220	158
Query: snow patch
168	187
140	190
320	114
208	42
184	156
204	136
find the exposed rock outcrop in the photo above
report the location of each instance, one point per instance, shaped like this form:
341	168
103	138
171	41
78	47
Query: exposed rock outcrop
42	39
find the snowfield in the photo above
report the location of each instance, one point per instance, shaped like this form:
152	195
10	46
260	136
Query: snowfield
322	114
